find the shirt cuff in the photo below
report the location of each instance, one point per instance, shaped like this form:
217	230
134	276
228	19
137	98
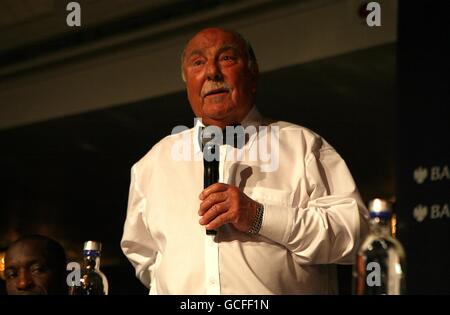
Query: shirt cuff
277	223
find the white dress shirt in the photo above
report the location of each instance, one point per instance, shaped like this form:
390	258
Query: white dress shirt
313	215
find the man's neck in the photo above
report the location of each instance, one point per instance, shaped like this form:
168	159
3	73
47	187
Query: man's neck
222	124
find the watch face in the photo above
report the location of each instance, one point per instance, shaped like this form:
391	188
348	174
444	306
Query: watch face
256	226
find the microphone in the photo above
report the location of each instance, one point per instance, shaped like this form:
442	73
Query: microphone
211	138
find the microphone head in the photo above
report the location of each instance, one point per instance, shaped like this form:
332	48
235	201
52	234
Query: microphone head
211	138
211	135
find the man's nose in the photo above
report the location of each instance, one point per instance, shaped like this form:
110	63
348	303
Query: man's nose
24	281
213	71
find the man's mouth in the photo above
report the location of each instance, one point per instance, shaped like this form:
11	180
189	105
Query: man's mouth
216	91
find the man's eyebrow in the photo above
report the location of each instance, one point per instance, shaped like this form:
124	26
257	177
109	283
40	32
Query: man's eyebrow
195	52
13	265
36	262
229	47
219	51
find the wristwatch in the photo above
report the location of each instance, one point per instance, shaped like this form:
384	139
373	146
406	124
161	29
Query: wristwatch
257	222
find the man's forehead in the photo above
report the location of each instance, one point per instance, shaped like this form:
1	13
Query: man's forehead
25	251
214	38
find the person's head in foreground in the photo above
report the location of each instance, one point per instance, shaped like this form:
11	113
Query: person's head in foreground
35	265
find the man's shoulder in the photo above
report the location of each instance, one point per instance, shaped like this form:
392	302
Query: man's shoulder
164	146
307	139
295	129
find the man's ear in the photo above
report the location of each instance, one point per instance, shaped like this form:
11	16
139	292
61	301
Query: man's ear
254	73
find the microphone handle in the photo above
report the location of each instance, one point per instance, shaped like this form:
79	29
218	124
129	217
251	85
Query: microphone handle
210	176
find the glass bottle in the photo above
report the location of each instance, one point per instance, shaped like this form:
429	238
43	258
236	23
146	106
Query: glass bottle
93	281
380	260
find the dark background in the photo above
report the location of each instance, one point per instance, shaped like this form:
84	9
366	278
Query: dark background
423	140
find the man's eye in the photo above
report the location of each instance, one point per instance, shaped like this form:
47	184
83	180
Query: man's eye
197	62
228	58
10	274
38	269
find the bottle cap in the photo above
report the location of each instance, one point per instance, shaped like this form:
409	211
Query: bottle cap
92	245
380	208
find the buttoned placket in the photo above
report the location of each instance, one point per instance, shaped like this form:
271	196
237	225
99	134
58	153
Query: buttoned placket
211	242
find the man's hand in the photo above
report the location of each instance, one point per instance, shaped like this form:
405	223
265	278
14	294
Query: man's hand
222	203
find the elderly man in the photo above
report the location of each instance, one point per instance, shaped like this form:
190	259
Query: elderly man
35	265
280	227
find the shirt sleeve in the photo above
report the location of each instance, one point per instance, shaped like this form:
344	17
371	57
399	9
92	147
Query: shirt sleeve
137	243
330	224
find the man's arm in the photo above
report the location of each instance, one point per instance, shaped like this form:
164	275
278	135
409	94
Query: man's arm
137	243
330	226
325	228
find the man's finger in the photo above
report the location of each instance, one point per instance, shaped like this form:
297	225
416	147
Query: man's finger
213	212
218	221
216	187
211	200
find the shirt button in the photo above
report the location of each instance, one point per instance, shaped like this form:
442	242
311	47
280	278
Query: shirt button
212	282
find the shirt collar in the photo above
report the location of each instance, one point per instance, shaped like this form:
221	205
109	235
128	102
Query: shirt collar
253	118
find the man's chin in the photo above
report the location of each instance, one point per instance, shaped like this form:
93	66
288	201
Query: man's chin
223	114
216	111
29	293
35	291
213	116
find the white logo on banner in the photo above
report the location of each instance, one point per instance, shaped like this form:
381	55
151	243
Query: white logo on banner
420	174
420	212
437	173
435	211
439	212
